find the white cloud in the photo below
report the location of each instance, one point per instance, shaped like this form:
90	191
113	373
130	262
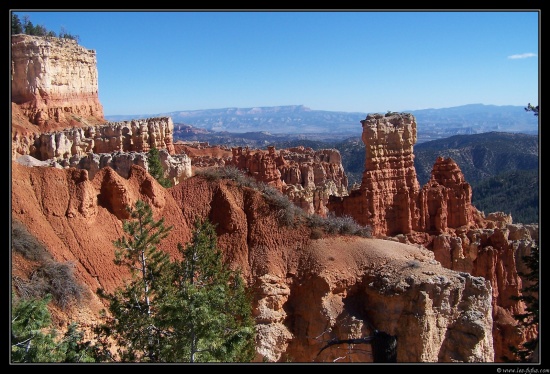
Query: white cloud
523	55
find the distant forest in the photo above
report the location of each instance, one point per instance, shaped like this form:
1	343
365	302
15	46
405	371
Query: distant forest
27	27
513	192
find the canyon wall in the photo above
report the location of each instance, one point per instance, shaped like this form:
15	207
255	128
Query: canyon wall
307	177
115	144
306	292
54	82
442	282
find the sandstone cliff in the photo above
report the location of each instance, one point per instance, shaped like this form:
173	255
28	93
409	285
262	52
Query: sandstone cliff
54	83
127	136
307	292
115	144
307	177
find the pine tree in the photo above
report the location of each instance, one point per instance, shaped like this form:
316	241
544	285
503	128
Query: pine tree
206	306
532	108
155	167
16	26
191	310
33	339
134	316
530	296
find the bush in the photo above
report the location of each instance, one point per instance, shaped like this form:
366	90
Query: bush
26	244
316	233
344	225
50	277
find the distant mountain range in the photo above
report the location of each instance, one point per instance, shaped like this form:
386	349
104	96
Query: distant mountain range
300	120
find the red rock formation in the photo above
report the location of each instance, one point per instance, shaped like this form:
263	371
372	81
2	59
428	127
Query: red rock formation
445	201
495	254
439	216
306	292
387	198
54	82
259	165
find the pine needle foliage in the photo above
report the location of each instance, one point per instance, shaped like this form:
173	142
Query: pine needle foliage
190	310
34	340
133	306
206	305
154	166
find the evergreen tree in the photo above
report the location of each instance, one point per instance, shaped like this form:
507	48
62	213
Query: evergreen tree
529	295
183	311
16	27
155	167
134	323
532	108
33	339
206	306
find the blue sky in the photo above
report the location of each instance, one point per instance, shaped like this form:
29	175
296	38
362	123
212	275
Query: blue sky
152	62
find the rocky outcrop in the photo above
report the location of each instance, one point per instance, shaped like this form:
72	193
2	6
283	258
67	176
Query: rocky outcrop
260	165
306	176
54	82
176	167
446	200
306	292
129	136
388	197
308	168
495	254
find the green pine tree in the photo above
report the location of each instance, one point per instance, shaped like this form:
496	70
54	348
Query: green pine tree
16	26
530	296
155	167
34	340
133	306
206	306
191	310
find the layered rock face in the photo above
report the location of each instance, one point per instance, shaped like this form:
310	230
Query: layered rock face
261	166
307	293
306	176
390	198
446	200
117	145
127	136
496	254
54	81
387	198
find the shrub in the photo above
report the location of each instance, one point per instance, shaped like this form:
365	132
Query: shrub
287	212
26	244
414	264
316	233
344	225
50	277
